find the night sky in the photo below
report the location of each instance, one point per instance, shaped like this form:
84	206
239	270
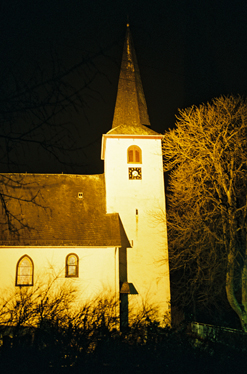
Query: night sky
188	52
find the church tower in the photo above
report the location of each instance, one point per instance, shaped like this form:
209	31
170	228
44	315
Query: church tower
134	180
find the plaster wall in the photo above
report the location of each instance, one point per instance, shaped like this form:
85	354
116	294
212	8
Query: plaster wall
141	205
98	268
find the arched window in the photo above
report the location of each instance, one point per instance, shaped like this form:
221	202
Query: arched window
134	155
72	266
24	271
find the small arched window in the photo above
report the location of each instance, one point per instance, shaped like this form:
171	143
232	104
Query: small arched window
72	266
24	271
134	155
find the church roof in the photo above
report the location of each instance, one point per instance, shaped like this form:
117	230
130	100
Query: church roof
130	115
70	210
132	130
58	210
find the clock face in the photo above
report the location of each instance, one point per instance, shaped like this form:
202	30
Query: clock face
135	173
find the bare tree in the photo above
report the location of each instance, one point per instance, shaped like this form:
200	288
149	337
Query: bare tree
36	104
53	319
206	155
37	100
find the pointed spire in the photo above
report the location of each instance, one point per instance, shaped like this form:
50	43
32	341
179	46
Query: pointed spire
131	108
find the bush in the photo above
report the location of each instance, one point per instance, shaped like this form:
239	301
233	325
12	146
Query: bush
43	332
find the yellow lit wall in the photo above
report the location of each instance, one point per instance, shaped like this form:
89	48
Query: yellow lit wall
147	261
98	268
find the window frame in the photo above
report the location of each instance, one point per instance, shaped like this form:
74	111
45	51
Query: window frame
17	273
67	266
134	149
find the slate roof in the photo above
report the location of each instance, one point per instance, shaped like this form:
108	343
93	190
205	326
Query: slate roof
46	211
131	107
132	130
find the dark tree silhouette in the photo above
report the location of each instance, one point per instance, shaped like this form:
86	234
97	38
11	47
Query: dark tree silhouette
36	106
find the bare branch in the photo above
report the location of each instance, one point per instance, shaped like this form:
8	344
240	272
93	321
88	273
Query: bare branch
206	155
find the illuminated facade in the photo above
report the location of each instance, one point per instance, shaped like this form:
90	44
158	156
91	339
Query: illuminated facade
102	232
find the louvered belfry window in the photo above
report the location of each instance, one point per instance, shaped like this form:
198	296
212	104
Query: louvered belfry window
134	155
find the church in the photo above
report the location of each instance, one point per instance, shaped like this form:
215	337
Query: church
100	232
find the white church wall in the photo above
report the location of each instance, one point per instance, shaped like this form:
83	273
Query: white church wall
141	205
98	268
149	189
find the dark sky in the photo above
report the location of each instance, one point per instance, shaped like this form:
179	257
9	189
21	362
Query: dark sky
188	52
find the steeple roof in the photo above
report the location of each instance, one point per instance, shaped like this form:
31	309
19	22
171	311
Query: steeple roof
130	115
